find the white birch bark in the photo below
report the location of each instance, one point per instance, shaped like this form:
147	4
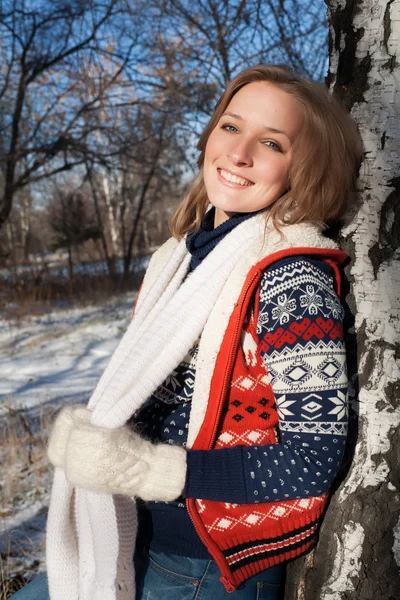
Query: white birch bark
105	184
358	555
25	210
112	218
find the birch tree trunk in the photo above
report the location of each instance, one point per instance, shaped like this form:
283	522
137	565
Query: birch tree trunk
358	555
112	219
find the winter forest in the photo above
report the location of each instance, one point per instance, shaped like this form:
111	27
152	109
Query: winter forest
101	106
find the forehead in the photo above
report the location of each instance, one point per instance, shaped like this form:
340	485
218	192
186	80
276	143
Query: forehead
264	104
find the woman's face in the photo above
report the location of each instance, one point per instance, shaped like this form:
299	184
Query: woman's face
248	154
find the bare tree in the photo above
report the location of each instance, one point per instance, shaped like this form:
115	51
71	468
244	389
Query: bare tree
72	223
70	68
196	48
148	166
46	48
109	257
152	169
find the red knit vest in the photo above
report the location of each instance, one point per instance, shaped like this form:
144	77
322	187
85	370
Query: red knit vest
245	539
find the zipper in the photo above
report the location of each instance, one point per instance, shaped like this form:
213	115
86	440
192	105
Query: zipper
222	563
228	585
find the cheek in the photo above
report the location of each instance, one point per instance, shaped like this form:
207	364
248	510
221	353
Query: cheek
207	165
211	149
208	170
275	172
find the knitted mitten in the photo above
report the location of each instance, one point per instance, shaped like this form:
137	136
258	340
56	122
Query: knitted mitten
117	461
60	431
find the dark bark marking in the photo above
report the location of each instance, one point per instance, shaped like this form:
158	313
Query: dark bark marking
382	509
392	393
353	85
360	341
383	140
352	74
389	229
347	244
393	457
369	364
387	29
374	352
376	509
391	64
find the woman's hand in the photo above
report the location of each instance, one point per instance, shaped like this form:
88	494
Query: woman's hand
115	461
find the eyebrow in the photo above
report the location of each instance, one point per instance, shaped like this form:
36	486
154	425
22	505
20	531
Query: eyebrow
235	116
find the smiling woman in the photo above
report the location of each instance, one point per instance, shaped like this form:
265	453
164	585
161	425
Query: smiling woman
247	162
325	149
224	409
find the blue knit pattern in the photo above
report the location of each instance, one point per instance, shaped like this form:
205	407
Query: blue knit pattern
311	391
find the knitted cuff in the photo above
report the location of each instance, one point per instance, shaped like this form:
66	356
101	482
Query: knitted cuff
216	475
167	473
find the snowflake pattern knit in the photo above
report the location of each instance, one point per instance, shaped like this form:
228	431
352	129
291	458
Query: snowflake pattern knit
299	336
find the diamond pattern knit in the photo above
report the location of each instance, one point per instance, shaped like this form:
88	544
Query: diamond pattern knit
299	317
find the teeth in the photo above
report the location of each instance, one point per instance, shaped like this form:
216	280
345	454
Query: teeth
234	178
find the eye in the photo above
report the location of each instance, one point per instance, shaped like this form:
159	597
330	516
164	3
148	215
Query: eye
228	127
273	145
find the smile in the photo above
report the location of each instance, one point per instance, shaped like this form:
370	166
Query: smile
230	178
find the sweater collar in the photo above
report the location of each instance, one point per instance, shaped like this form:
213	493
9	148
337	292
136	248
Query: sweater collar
200	243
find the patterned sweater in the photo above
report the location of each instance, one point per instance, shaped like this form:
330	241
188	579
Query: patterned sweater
295	299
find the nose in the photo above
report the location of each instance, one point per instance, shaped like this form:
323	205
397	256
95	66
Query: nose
240	154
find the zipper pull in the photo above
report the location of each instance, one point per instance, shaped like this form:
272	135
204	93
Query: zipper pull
228	585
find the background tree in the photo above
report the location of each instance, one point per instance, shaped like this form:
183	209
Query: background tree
147	170
72	224
196	48
45	49
358	555
94	84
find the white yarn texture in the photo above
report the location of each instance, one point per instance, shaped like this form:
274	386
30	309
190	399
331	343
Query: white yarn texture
115	461
91	536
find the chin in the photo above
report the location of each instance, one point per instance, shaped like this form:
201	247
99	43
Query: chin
227	206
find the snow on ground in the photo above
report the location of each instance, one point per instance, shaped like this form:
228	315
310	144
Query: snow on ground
59	355
45	362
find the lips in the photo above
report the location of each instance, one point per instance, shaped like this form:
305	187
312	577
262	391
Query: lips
233	179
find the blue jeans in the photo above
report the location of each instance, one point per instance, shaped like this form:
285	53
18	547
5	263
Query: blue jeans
36	590
169	577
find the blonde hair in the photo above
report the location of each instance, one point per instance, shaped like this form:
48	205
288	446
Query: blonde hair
326	155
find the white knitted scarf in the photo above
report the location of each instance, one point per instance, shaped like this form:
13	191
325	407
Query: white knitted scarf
91	536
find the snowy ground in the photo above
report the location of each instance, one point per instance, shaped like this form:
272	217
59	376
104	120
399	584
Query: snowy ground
45	362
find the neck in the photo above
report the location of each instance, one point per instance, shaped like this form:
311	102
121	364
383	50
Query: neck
220	217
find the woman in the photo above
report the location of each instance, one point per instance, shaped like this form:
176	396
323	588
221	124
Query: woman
231	377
